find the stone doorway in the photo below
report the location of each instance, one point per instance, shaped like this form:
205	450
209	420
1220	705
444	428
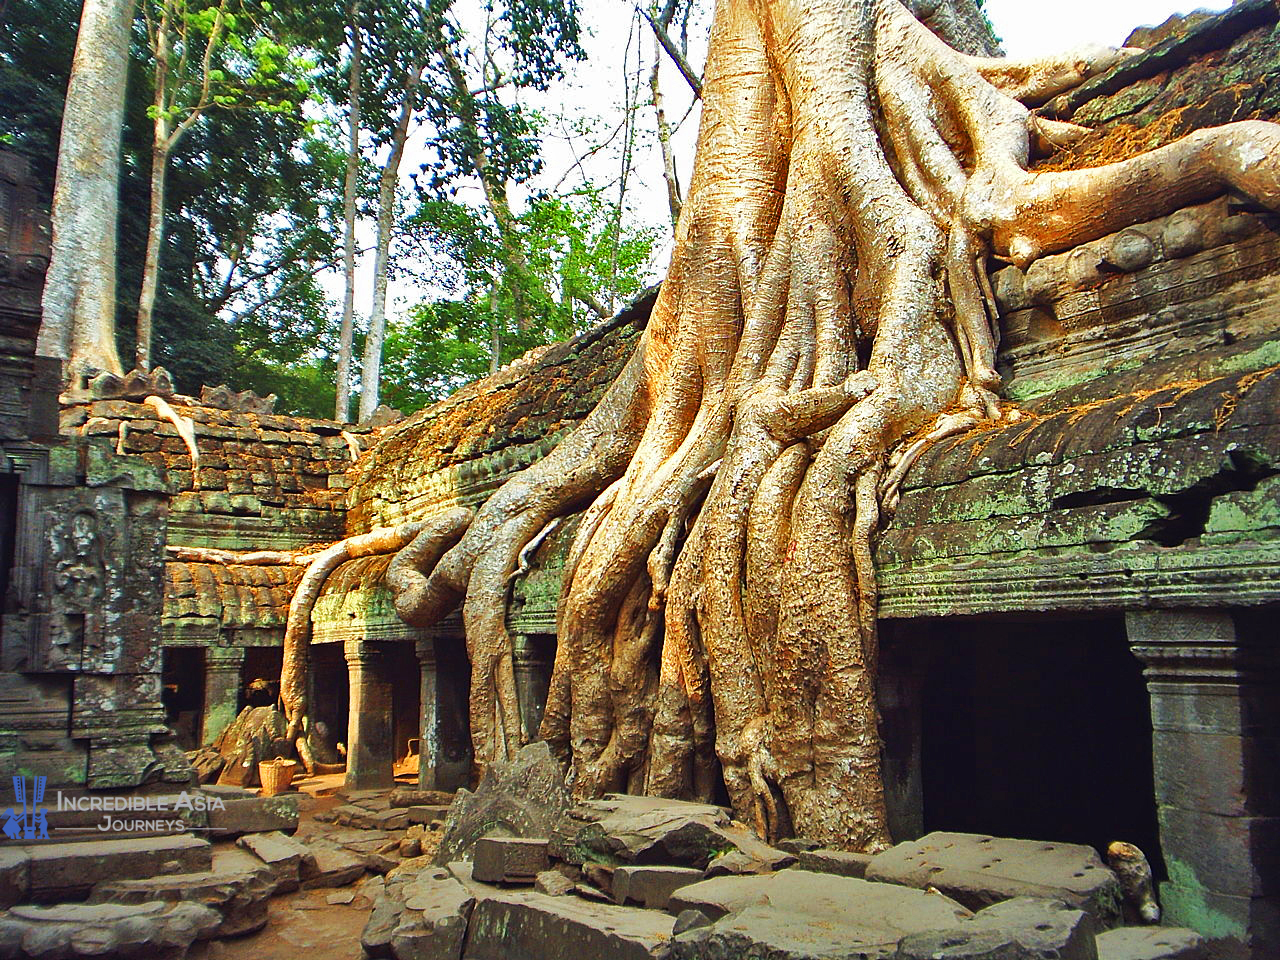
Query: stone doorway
182	693
1032	728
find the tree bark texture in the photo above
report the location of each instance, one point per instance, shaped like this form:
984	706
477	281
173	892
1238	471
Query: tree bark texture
79	305
826	315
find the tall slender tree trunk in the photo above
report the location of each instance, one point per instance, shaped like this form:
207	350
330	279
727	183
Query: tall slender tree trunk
342	407
79	306
664	137
155	240
371	369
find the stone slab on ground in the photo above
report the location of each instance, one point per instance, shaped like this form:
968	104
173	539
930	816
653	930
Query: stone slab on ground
413	797
839	862
720	896
66	871
73	930
252	814
524	925
624	829
979	870
509	859
239	898
651	887
433	924
426	813
1025	928
800	915
15	877
1151	943
330	866
288	858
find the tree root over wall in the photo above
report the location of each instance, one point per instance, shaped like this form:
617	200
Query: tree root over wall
827	306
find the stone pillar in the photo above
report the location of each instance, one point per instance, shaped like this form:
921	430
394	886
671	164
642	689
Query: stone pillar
223	669
533	680
429	728
1214	712
371	729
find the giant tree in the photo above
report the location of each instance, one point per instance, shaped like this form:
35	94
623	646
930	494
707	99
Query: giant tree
857	165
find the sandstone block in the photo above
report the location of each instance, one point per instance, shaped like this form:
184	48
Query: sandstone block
839	862
412	797
433	925
426	813
69	931
253	814
60	871
979	871
509	859
798	915
1151	943
14	877
523	925
651	887
553	883
1025	928
239	898
330	867
287	858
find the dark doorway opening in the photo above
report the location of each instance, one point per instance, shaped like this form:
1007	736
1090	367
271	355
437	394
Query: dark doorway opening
1038	729
8	530
182	693
406	706
453	690
330	691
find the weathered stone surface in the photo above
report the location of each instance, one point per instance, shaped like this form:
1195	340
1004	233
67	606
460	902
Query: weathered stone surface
254	815
433	924
60	871
798	915
14	877
553	883
651	887
622	829
288	858
375	939
412	797
978	871
523	925
720	896
426	813
735	863
509	859
330	866
1151	943
525	797
840	862
68	931
239	898
1023	928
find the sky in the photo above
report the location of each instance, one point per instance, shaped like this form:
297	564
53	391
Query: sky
1027	28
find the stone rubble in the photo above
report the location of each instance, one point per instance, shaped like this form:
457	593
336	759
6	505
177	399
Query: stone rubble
74	930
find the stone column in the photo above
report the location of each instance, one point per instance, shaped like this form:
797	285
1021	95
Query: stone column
223	672
371	728
1214	712
429	728
533	680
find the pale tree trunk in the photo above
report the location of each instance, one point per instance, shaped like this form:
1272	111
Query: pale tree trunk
371	368
155	240
826	315
664	137
79	306
342	407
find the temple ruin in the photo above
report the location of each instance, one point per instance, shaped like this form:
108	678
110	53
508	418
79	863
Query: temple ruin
1076	607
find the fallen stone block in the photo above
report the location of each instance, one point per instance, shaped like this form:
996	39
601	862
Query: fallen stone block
330	867
288	858
720	896
523	925
553	883
413	797
735	863
433	924
375	939
69	930
651	887
623	829
426	813
509	859
839	862
15	882
799	915
66	871
979	870
1151	943
239	898
252	814
1022	928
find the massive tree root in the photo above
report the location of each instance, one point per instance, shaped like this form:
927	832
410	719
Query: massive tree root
828	303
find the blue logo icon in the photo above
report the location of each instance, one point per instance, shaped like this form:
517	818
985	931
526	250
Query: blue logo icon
33	824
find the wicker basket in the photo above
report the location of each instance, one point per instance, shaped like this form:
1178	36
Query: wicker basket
276	775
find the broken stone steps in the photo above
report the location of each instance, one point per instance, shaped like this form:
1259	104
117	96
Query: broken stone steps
51	873
240	897
72	930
